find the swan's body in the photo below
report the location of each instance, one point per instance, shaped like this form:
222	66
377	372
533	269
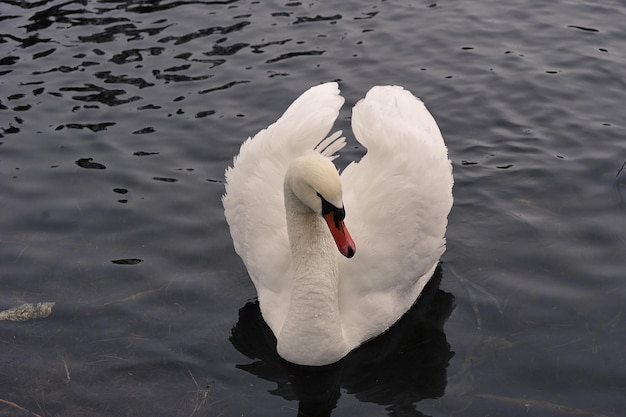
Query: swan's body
284	198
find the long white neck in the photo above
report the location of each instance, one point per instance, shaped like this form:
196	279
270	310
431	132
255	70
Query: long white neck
312	333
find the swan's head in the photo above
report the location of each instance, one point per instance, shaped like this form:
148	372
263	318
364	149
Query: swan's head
314	180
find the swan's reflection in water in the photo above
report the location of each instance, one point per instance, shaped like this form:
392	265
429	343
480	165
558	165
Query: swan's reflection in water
403	366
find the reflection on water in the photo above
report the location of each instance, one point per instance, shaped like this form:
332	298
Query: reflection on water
397	369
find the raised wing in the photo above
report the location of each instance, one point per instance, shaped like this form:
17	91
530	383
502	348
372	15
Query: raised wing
254	201
397	199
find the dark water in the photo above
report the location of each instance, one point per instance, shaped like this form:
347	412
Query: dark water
117	119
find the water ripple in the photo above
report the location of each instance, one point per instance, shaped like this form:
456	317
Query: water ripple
129	30
201	33
158	6
288	55
135	55
100	95
109	78
317	18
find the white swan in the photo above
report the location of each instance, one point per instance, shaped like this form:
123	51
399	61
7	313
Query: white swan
285	205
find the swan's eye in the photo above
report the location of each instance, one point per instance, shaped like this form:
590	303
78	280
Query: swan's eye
338	212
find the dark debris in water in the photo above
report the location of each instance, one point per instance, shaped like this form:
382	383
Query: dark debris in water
88	163
292	55
205	113
94	127
142	153
179	78
223	87
143	131
277	74
127	261
178	68
366	15
149	107
164	179
583	28
318	18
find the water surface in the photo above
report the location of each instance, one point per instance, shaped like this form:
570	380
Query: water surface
117	120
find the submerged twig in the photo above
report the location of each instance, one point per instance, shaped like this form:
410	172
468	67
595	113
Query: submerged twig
201	395
135	296
472	289
67	372
18	407
545	406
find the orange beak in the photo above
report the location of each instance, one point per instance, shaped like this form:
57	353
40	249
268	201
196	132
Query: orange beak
338	229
